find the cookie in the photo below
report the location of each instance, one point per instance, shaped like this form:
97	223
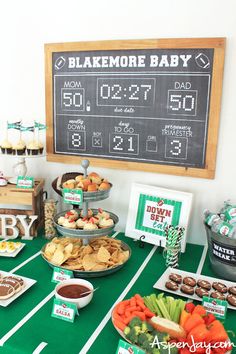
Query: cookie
13	282
204	284
176	278
201	292
6	291
220	287
171	285
232	290
20	280
189	281
231	300
217	295
187	289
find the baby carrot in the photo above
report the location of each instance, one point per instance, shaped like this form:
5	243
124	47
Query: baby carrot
133	301
117	317
141	304
149	313
121	309
128	319
140	314
138	297
119	325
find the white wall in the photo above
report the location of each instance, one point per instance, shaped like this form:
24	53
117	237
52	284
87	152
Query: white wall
26	25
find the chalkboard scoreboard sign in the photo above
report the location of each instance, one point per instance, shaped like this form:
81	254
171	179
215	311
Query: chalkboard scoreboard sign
150	104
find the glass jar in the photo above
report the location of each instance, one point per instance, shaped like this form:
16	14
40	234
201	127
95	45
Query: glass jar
50	210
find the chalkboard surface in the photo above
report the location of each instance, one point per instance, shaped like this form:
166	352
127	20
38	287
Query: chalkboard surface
150	106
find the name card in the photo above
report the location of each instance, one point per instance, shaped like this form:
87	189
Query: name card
64	310
126	348
215	306
61	274
25	182
72	196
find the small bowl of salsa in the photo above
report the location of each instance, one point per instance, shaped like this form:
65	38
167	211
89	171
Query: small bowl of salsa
77	291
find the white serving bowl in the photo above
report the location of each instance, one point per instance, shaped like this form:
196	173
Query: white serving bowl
80	302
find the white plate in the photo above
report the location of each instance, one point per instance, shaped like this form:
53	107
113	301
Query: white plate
160	284
27	284
12	254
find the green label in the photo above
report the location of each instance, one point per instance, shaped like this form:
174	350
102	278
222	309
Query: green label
64	310
126	348
59	275
72	196
155	214
215	306
25	182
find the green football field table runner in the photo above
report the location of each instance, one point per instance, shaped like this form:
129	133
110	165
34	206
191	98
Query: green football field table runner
26	325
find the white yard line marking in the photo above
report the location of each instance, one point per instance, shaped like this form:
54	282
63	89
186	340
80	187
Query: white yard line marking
25	262
201	263
97	331
116	233
25	319
40	347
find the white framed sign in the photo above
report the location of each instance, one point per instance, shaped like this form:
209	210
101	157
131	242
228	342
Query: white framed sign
152	209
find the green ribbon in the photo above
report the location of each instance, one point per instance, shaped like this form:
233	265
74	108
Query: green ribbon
40	126
27	129
16	125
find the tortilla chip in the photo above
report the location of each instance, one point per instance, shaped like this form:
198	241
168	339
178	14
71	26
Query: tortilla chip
88	262
69	248
58	257
103	255
99	266
87	250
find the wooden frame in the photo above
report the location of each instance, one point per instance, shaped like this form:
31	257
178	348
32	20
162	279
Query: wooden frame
151	209
218	44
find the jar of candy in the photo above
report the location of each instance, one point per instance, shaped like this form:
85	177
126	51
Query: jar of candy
50	210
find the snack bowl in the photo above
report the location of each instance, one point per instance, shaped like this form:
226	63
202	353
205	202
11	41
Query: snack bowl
65	231
87	196
92	273
65	288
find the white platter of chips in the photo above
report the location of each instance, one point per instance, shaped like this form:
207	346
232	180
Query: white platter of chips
102	256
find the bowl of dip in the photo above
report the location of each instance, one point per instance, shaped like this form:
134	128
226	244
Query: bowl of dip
72	290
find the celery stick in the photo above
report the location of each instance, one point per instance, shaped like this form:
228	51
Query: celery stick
182	306
160	296
172	309
167	304
162	307
177	314
149	304
155	305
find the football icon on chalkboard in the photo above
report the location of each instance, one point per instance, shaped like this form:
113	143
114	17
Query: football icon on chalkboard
202	60
59	63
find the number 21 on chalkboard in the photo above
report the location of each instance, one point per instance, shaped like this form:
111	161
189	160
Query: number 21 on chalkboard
124	143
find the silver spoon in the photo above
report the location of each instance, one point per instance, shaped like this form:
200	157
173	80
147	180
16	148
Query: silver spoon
90	291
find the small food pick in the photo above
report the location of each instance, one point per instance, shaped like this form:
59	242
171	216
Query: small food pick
89	291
